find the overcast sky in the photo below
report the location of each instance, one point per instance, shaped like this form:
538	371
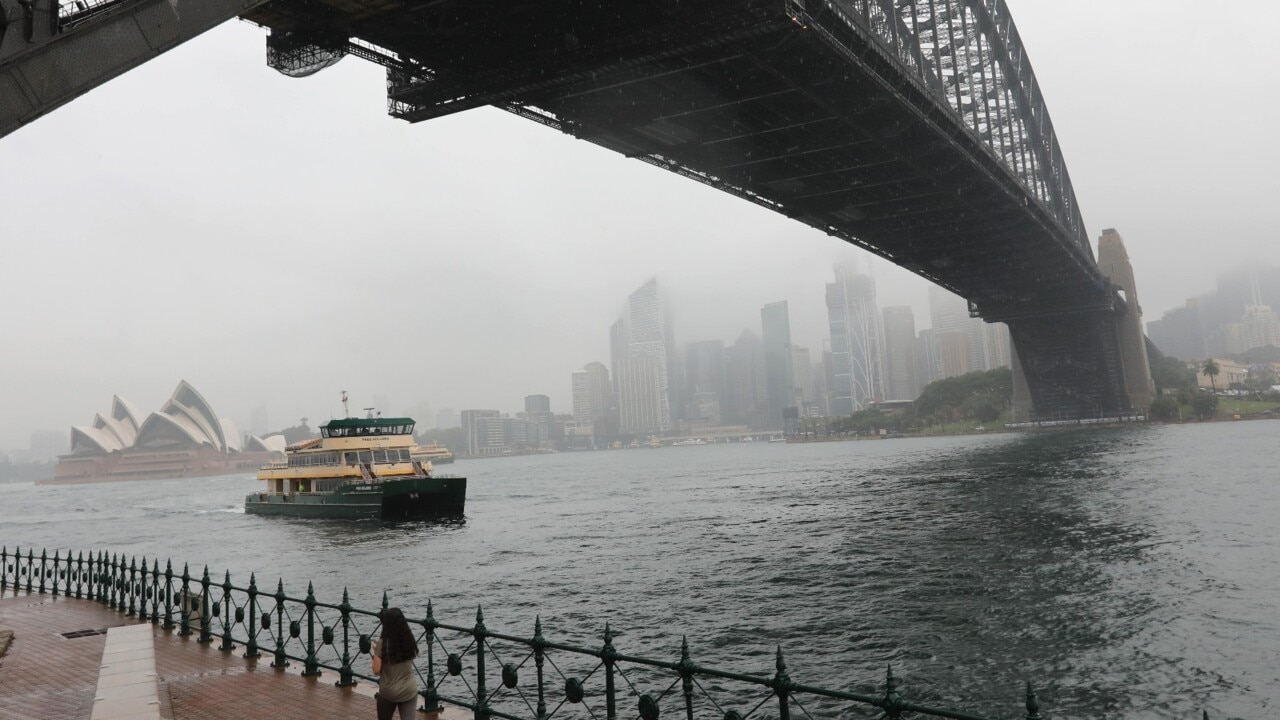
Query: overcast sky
275	240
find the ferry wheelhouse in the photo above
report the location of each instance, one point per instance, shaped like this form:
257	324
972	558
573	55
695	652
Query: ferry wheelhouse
358	468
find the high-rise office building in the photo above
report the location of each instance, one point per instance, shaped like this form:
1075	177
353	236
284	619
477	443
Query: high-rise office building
704	369
744	380
949	315
475	435
592	391
802	387
644	402
996	346
537	403
900	353
779	382
928	366
857	341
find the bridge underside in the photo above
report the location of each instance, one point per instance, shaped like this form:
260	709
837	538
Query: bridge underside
821	111
798	112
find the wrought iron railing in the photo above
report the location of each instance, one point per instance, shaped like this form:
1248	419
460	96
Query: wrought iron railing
493	674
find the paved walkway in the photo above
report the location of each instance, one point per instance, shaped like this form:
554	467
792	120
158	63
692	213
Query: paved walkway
45	674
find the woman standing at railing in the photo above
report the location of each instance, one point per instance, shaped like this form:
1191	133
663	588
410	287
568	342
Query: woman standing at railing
393	664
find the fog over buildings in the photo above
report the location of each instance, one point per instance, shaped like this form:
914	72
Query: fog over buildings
274	241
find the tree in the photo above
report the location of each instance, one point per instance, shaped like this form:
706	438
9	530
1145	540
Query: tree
1211	370
1163	408
1205	405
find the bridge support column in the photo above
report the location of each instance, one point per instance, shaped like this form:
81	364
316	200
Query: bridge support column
1068	365
1113	260
1022	407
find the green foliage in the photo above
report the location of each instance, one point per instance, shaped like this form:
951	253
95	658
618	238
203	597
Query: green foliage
1172	373
1205	405
1163	408
1211	370
981	396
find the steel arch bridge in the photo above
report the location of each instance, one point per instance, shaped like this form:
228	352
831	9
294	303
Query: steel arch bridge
915	129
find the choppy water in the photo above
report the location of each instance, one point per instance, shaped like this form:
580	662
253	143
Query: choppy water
1131	573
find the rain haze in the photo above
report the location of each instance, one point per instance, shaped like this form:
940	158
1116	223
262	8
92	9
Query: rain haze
275	240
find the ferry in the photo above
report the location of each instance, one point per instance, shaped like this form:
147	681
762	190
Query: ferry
690	441
435	454
358	468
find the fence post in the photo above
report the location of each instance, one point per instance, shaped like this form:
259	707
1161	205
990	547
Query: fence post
168	594
781	686
98	579
130	585
607	655
205	621
482	704
281	660
1033	705
311	666
44	568
345	678
226	645
185	608
113	582
251	648
79	573
4	569
430	698
155	591
539	652
686	677
57	567
892	700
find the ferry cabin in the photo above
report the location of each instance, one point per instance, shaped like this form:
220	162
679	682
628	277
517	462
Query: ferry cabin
350	449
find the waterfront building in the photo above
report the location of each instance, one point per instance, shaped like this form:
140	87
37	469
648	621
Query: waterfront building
857	341
949	313
953	354
184	438
641	405
704	372
1259	328
779	382
900	353
801	377
537	403
473	436
592	392
996	346
744	379
928	365
1230	373
644	401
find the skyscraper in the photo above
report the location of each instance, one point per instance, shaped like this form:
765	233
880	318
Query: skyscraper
900	354
537	403
857	341
475	434
591	392
949	315
744	378
704	369
644	403
778	378
802	387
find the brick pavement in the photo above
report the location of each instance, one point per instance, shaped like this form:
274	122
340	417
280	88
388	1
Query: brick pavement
46	675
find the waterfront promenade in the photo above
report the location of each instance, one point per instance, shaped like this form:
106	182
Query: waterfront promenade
45	674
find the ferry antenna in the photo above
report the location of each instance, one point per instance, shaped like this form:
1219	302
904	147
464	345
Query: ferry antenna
345	412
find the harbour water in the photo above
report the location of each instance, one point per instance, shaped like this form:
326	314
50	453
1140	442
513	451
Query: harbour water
1128	573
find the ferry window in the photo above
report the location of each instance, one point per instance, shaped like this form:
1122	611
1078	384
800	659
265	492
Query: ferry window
351	458
366	457
404	456
324	432
408	429
379	456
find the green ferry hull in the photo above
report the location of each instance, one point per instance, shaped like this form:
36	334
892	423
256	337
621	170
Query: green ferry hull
406	499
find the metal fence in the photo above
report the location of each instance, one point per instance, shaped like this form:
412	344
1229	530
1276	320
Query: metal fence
493	674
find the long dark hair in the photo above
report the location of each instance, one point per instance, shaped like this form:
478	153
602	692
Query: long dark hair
397	644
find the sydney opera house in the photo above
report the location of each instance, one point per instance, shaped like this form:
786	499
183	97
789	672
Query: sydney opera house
184	438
